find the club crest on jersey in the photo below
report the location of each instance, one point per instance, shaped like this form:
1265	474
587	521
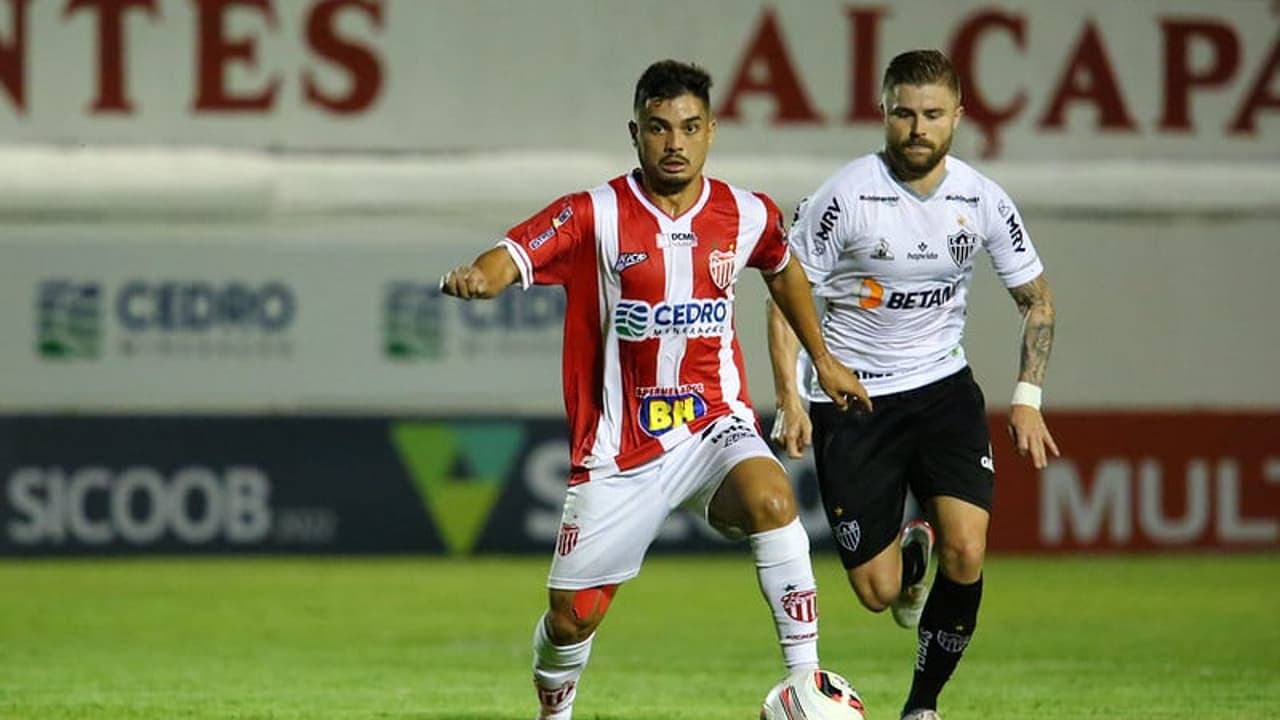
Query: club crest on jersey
961	246
722	265
882	251
676	239
660	414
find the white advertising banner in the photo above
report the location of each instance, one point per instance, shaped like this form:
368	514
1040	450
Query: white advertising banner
1084	80
197	327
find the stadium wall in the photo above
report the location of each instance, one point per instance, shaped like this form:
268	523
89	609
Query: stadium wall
222	223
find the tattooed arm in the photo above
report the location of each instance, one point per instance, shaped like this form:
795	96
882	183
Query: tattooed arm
1026	423
1035	303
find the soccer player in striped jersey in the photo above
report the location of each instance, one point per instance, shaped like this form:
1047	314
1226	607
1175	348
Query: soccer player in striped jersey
889	242
654	387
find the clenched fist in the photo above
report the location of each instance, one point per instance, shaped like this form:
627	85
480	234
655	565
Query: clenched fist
466	282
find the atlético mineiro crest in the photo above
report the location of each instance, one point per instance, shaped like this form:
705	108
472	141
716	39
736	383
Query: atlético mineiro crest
567	540
722	267
801	605
848	534
961	246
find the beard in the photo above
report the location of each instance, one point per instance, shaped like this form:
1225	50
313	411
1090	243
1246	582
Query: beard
907	167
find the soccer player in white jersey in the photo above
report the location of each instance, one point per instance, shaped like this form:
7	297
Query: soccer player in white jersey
889	242
654	387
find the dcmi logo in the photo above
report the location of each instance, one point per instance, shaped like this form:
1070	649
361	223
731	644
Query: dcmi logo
412	321
460	470
68	320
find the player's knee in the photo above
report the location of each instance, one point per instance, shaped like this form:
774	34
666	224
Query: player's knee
961	558
772	509
577	615
875	592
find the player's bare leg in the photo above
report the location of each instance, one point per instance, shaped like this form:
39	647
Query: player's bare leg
562	645
756	498
951	612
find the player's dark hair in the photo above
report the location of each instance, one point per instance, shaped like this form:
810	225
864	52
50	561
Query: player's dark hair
920	67
669	79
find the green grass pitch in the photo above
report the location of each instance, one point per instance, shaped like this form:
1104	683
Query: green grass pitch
1188	636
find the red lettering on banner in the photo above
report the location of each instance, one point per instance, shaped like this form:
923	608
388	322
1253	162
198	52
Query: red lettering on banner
1260	94
359	61
766	68
976	108
214	52
864	88
1089	77
111	47
1179	78
13	57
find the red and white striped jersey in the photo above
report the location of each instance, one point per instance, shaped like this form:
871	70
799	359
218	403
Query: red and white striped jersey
650	355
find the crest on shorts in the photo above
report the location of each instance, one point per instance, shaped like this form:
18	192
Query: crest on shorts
567	540
961	246
849	534
722	267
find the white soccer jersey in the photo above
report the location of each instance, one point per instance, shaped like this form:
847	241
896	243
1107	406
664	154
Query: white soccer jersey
894	268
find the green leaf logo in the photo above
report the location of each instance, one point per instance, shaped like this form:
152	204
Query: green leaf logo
460	470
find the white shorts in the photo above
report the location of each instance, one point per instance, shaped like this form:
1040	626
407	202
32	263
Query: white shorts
609	522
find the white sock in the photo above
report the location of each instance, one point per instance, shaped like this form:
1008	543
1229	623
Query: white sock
786	579
556	669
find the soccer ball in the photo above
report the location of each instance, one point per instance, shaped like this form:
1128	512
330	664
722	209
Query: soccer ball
812	695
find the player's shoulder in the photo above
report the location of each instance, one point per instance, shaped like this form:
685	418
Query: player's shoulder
857	175
970	180
726	191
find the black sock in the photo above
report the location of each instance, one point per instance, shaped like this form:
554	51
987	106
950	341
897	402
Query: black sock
949	617
914	564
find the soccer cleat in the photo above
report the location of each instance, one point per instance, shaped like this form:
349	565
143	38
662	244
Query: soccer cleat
910	602
922	714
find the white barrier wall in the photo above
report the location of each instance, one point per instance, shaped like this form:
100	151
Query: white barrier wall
341	313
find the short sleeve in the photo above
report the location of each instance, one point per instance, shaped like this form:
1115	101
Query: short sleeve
770	254
821	222
543	246
1007	241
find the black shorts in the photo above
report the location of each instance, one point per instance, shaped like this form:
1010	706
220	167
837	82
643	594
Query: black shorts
933	439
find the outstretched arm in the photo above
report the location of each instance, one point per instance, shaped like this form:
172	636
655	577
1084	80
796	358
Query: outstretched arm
489	275
790	291
1026	423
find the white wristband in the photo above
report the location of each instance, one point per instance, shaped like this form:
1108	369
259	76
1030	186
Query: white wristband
1024	393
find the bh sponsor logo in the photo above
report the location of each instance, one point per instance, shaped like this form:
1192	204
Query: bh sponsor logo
660	414
637	320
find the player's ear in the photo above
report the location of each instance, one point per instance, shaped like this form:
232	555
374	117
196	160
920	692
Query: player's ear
956	119
711	131
634	129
